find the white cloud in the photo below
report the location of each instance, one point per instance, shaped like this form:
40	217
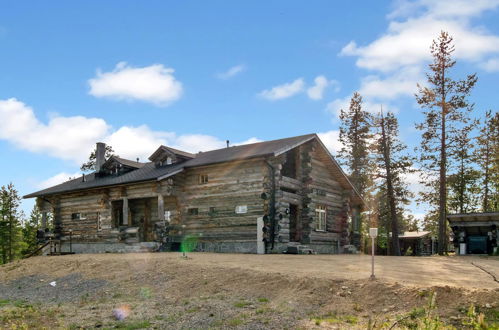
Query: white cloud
154	84
72	138
233	71
407	42
321	83
68	138
334	107
249	141
331	140
491	65
57	179
401	83
283	91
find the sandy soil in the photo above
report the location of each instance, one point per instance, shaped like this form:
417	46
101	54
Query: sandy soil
164	290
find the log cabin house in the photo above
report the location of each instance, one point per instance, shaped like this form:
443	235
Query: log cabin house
268	197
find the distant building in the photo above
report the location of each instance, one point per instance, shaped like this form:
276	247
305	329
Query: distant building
416	243
288	194
475	233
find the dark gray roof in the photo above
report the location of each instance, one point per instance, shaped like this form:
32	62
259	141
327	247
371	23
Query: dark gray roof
148	171
246	151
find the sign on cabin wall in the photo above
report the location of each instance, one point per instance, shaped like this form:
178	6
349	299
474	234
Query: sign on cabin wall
241	209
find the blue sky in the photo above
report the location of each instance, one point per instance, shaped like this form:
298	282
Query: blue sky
191	74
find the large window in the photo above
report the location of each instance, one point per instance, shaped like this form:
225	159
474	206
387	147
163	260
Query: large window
320	218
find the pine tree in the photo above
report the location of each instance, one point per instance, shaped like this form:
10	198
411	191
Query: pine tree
354	136
11	243
29	229
392	165
445	106
487	157
90	164
463	183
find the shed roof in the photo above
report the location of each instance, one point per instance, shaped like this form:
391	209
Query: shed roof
414	234
473	217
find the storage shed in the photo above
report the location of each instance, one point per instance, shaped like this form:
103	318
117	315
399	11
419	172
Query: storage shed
475	233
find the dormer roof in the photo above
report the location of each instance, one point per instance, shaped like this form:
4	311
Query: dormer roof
164	150
124	162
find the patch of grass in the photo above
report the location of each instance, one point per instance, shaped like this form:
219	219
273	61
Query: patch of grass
4	302
235	322
133	325
145	292
193	309
332	318
241	304
263	300
263	310
477	319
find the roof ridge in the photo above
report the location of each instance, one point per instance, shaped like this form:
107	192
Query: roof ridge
261	142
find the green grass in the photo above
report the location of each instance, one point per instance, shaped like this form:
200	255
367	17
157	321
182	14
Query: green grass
241	304
133	325
235	322
263	300
332	318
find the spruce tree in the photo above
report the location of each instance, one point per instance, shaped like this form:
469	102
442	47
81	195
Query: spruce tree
29	229
487	157
463	182
354	136
445	108
11	242
393	163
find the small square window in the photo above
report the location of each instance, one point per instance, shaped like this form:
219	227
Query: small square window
203	178
240	209
99	221
192	211
78	216
213	211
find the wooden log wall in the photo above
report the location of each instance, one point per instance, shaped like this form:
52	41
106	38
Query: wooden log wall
324	189
229	185
96	206
313	185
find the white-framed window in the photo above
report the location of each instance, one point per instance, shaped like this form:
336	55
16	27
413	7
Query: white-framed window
203	178
168	216
320	218
241	209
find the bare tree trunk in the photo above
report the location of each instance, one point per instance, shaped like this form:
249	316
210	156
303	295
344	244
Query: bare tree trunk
442	226
485	204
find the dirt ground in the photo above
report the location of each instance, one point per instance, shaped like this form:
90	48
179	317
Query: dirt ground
164	290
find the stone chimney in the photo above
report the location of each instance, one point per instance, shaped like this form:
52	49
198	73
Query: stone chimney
100	156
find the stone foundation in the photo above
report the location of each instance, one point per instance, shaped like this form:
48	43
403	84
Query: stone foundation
110	247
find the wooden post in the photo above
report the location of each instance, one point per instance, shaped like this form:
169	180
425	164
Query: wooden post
125	211
161	207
